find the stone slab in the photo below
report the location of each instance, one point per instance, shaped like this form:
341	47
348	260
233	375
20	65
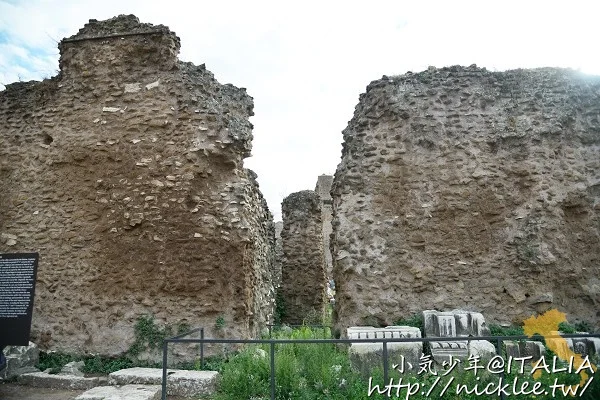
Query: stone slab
525	348
70	382
364	357
125	392
179	382
457	324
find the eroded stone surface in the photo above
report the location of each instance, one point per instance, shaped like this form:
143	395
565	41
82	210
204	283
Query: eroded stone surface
365	357
126	392
464	188
525	348
303	278
456	324
60	381
179	382
20	360
125	172
323	189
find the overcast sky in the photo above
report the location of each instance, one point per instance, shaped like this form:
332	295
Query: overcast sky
306	62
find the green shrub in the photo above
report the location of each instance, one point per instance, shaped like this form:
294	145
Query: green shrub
497	330
303	371
415	320
148	335
54	361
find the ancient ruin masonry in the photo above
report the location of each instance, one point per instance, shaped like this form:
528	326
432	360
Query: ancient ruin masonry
125	172
465	188
278	255
323	189
303	278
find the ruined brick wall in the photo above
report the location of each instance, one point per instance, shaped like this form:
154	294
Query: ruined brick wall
303	268
323	188
464	188
125	172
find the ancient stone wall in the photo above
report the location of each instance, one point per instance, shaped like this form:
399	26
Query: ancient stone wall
465	188
278	255
323	188
125	172
303	277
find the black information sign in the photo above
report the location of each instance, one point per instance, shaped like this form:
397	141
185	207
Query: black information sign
17	287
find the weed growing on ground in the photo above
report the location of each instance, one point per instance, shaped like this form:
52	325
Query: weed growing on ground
148	336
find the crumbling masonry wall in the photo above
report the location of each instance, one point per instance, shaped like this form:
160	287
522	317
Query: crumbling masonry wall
323	188
465	188
125	172
303	279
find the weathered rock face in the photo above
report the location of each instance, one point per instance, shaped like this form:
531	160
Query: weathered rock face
323	188
464	188
278	255
125	172
303	278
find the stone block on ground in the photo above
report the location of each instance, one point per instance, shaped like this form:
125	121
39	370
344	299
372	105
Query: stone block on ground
457	324
69	382
365	357
583	346
73	368
481	348
126	392
525	348
20	360
179	382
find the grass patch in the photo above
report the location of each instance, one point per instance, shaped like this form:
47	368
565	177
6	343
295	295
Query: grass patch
302	371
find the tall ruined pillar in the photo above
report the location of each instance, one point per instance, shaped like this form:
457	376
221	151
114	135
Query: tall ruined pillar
303	277
323	188
464	188
125	172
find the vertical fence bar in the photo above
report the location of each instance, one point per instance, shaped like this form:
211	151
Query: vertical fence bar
270	331
202	348
164	371
386	372
272	344
499	352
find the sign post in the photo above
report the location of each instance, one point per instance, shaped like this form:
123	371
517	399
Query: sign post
18	273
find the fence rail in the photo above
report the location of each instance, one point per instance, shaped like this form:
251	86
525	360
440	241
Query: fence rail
384	341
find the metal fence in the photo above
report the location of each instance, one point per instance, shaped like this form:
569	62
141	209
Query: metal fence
498	340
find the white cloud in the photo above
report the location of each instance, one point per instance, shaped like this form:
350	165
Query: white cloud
306	63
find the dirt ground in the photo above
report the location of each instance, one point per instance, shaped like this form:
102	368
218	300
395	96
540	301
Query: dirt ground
13	391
